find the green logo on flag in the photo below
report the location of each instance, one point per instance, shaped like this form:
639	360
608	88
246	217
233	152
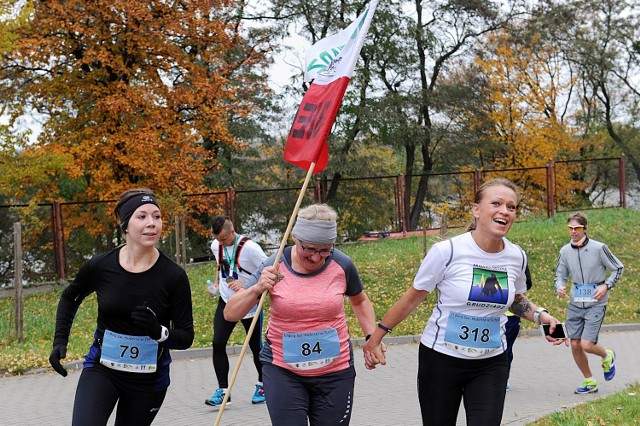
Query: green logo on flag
324	59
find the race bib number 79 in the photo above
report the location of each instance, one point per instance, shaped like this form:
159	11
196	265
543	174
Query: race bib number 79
136	354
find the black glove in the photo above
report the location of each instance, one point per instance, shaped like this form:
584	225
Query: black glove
144	317
59	351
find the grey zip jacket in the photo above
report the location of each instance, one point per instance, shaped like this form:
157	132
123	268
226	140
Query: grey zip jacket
587	264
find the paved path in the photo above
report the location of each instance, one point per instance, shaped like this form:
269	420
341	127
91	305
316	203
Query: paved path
542	381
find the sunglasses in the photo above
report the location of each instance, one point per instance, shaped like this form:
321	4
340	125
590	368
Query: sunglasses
311	251
575	228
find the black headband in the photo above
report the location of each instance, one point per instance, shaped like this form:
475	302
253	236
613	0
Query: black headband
131	205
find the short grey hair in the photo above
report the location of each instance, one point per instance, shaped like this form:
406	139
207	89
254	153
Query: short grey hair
318	212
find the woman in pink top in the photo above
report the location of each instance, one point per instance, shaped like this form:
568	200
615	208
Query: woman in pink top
307	358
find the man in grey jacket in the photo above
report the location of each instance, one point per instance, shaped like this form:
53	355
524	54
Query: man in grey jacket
587	262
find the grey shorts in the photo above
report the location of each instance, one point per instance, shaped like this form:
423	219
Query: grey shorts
585	323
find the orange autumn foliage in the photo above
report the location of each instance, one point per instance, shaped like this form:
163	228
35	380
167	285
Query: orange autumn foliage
524	95
134	92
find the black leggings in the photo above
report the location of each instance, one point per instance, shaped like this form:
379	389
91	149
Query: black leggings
221	332
444	380
294	400
97	394
512	328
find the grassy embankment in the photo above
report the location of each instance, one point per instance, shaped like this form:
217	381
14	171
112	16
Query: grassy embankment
387	268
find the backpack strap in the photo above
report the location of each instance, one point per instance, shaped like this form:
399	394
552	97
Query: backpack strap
524	263
241	244
525	267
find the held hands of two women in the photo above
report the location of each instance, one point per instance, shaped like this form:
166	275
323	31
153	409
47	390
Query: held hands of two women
374	353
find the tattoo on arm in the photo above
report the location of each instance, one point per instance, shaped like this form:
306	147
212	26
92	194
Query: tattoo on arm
521	306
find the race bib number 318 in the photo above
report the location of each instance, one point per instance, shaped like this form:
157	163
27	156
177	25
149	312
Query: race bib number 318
472	335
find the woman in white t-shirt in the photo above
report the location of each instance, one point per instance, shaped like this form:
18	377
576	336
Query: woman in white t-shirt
479	275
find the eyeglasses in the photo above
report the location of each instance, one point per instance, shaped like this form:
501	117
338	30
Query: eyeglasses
575	228
311	251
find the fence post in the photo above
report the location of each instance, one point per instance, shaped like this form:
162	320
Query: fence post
424	239
17	244
550	189
476	182
230	204
58	240
623	182
180	241
443	225
183	243
176	231
401	216
318	191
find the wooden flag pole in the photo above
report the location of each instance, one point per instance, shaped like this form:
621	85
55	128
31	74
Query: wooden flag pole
263	297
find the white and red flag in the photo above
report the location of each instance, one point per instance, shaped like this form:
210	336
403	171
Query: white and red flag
329	64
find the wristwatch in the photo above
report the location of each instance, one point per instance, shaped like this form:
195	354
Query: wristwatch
164	334
609	286
537	313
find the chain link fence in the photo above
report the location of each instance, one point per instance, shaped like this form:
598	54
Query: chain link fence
59	237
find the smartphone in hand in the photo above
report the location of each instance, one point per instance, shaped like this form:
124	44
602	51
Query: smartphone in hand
558	333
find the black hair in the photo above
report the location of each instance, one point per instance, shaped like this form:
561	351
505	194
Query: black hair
218	222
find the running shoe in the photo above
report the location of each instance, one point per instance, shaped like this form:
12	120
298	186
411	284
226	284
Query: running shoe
588	386
217	398
609	365
258	395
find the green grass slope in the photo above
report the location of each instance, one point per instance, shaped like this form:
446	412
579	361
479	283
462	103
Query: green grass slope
387	268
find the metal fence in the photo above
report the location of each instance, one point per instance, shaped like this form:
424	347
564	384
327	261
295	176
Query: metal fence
59	237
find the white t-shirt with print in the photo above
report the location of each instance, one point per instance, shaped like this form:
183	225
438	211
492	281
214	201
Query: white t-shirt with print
473	291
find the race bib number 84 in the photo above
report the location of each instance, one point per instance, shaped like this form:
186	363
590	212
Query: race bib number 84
306	351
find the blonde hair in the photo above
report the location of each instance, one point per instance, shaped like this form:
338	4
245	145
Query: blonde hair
483	189
318	212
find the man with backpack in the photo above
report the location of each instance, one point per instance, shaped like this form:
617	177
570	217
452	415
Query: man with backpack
237	257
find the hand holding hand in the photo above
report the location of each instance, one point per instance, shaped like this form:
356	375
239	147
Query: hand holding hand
143	316
374	354
59	352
